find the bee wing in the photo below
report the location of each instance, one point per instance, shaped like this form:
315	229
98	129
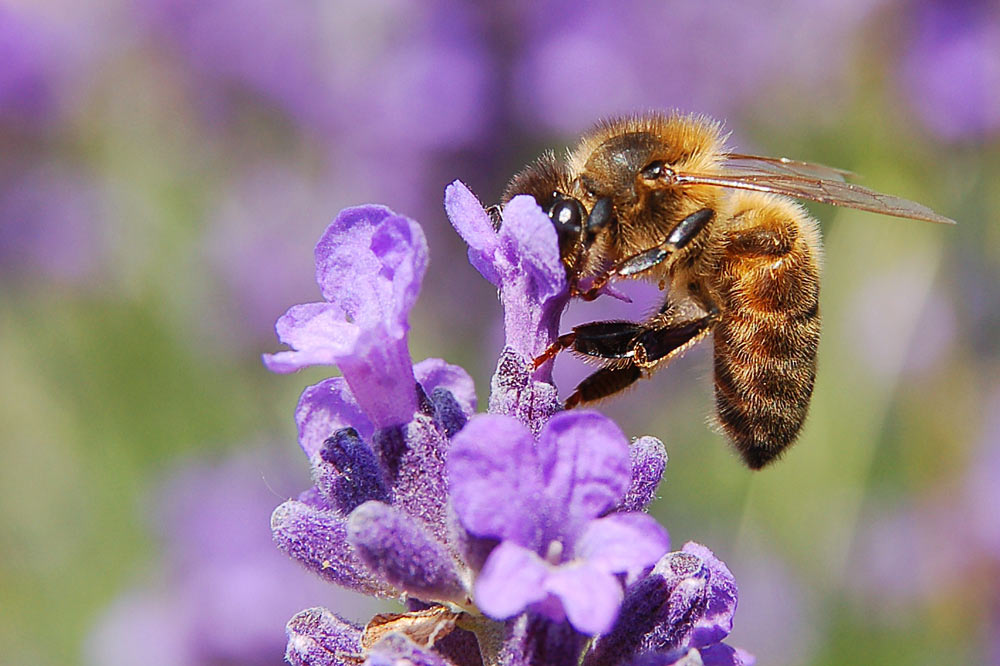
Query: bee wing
785	167
823	190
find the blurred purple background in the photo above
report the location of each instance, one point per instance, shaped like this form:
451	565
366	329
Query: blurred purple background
167	165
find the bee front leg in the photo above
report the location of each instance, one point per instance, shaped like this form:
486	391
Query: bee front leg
679	237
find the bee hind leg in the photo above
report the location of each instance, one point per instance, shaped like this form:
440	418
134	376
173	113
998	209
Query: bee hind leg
603	383
600	339
630	348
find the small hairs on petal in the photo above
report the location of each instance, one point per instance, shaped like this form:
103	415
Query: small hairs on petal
317	538
402	553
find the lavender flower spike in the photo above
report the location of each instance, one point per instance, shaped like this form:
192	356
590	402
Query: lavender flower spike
515	536
369	265
522	259
543	500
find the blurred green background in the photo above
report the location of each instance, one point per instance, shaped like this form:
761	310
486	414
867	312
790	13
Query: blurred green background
167	165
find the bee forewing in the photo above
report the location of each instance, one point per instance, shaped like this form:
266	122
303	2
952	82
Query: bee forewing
785	167
824	190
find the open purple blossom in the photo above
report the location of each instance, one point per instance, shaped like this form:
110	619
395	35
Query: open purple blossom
513	536
521	259
543	501
369	265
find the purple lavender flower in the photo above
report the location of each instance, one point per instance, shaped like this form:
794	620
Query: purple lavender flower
521	259
685	603
542	501
376	437
523	523
369	265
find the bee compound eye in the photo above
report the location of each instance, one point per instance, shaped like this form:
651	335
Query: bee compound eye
567	214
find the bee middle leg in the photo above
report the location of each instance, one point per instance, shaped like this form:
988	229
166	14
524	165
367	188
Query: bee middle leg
631	348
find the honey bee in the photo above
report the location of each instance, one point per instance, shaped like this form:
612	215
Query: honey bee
659	197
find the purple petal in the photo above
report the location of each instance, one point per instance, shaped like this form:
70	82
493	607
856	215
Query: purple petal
585	465
648	459
522	259
380	374
721	654
397	548
317	334
495	481
590	596
370	262
398	650
378	369
317	539
474	226
534	291
716	621
512	579
433	373
317	637
530	239
622	542
324	409
369	265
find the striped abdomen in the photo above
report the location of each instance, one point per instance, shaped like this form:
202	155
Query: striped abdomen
768	331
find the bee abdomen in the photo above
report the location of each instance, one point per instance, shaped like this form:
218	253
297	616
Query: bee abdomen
768	331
